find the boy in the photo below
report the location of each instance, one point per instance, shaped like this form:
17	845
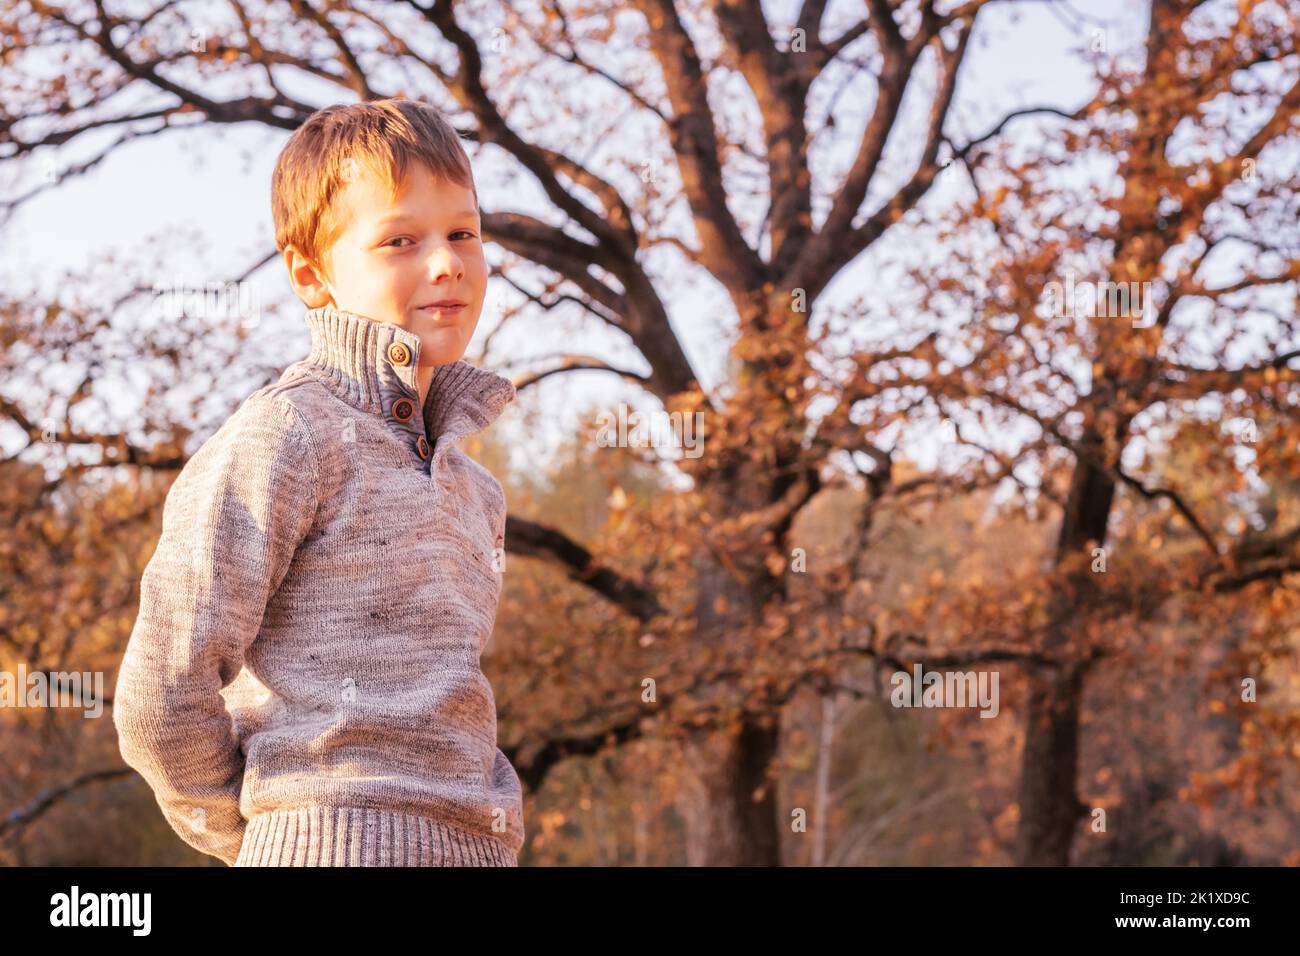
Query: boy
302	685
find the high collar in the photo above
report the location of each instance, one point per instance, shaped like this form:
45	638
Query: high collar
350	356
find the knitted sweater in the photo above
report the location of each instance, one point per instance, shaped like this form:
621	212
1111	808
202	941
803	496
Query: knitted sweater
302	685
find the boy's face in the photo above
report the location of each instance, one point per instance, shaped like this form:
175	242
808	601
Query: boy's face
397	259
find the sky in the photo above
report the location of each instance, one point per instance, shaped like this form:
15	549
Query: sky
212	184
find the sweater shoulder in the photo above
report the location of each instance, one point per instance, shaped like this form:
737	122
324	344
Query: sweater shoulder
270	422
261	458
267	435
315	407
315	415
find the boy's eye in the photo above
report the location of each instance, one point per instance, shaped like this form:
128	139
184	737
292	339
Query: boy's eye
466	233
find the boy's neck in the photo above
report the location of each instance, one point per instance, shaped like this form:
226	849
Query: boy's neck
423	378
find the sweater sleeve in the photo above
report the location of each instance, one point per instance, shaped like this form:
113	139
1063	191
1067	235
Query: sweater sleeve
232	521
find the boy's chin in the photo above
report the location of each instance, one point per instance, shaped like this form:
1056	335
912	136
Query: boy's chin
436	359
441	346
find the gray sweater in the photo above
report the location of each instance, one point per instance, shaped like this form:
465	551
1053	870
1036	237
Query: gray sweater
302	685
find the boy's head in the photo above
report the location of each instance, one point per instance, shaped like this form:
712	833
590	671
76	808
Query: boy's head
376	213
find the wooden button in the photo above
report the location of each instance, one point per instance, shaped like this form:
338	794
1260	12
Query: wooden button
422	447
399	354
403	409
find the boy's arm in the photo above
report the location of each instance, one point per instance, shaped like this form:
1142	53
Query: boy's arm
231	524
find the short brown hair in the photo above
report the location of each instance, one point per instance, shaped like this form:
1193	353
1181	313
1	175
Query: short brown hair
324	152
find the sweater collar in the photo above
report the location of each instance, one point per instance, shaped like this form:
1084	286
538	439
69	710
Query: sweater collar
354	356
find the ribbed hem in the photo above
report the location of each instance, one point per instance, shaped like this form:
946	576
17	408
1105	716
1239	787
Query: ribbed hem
362	836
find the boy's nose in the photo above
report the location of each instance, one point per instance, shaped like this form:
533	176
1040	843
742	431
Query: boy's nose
444	261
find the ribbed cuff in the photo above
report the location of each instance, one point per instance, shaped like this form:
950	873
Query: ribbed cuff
361	836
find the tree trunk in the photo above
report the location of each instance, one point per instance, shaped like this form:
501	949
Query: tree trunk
1049	807
1048	795
822	790
728	803
726	825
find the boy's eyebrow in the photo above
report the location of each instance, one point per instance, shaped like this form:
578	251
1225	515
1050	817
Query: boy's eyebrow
468	212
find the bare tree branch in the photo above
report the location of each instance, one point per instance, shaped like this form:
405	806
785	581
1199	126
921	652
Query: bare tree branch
538	541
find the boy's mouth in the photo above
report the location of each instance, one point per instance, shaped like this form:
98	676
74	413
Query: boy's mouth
445	306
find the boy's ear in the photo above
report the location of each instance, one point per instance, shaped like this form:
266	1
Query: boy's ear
306	279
